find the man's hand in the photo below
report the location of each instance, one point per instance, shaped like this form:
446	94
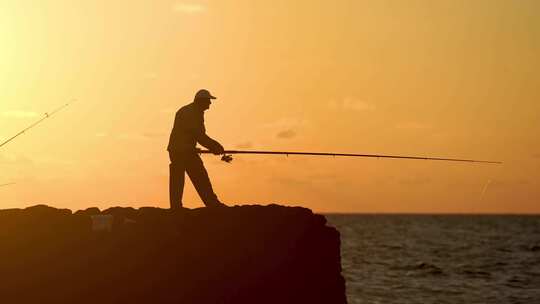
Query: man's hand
217	148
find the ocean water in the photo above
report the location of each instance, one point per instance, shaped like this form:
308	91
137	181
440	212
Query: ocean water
440	258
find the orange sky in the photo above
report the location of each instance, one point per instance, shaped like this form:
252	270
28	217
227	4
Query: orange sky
450	78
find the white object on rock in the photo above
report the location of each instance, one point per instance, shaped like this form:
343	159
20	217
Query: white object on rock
102	222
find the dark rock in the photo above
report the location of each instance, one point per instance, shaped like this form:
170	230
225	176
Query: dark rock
243	254
90	211
46	211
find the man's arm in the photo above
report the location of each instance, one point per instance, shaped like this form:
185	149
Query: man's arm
209	143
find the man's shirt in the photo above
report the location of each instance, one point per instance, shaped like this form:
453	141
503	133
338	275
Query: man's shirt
188	126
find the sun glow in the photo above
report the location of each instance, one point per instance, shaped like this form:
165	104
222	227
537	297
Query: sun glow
362	77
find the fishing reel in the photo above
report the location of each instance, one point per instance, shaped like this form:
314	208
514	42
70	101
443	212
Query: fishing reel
227	158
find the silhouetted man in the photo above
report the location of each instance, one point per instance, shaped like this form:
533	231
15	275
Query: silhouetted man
188	130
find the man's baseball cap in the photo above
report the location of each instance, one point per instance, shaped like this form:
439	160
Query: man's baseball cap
204	94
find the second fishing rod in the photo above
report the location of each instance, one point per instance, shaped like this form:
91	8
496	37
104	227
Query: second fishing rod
45	116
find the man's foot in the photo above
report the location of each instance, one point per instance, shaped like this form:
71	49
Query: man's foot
177	207
217	205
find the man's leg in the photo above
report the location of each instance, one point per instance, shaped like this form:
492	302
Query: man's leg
176	181
199	177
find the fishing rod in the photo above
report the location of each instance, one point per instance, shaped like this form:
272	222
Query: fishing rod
46	115
227	155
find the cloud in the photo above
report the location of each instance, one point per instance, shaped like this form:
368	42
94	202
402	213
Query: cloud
136	136
15	160
188	8
168	111
511	182
291	181
4	159
412	125
150	76
244	145
286	123
310	180
154	134
286	128
415	181
286	134
19	114
351	104
129	136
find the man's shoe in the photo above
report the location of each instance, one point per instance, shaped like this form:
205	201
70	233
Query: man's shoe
217	205
178	208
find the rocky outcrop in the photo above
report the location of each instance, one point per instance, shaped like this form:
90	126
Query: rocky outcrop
243	254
